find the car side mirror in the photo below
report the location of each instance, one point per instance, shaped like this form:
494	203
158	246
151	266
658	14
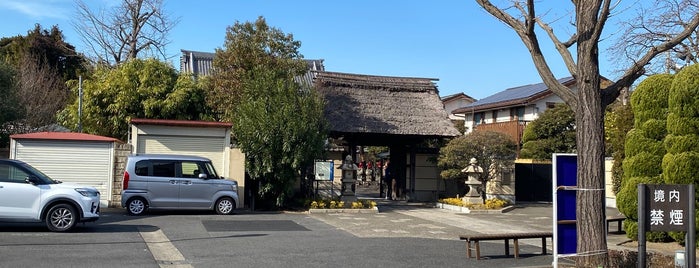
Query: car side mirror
31	180
203	176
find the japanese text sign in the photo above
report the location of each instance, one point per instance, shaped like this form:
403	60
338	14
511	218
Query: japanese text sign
668	207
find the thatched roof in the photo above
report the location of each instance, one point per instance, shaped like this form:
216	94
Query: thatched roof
367	104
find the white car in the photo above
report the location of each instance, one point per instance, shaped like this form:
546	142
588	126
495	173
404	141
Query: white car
28	195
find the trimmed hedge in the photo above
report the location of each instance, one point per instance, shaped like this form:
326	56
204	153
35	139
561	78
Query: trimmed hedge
644	148
643	164
650	98
627	198
654	129
681	163
681	143
684	94
679	124
681	168
638	142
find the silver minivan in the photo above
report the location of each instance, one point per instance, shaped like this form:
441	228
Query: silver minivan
153	181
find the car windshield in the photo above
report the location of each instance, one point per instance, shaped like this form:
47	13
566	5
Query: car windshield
211	170
45	179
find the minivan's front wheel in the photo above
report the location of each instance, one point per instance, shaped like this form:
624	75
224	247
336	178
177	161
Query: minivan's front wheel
224	206
136	206
61	217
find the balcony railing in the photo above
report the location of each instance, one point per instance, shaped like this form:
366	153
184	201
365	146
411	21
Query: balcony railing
513	129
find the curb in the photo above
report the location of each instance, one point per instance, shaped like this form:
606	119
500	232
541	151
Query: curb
466	210
343	210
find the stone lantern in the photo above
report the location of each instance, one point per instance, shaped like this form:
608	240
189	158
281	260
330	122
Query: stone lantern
348	179
473	182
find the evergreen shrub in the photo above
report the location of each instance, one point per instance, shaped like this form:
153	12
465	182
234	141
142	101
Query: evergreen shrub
650	98
631	229
627	198
637	142
676	144
643	164
655	129
679	124
681	168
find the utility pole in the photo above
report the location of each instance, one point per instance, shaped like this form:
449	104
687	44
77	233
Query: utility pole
80	104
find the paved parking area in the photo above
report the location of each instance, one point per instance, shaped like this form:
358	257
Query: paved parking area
200	239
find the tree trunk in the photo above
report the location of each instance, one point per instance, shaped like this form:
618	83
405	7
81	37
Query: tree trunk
589	121
592	244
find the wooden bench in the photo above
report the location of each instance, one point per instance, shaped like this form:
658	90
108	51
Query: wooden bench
476	238
618	220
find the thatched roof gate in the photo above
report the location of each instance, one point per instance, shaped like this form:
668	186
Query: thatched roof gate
399	112
383	110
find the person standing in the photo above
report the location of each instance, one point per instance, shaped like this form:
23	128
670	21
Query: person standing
388	179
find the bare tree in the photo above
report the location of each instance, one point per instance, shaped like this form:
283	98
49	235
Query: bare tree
588	102
654	25
133	28
41	93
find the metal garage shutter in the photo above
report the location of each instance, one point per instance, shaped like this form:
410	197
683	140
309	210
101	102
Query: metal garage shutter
209	147
83	162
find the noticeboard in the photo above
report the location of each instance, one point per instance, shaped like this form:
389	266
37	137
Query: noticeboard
324	170
667	207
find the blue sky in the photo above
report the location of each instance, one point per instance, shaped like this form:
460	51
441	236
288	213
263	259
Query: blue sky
454	41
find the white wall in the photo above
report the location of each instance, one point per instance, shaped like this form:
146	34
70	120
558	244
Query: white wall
452	105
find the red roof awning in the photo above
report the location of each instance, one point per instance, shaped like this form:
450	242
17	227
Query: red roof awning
180	123
63	136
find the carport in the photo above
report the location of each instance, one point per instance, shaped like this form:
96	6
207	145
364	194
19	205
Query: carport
74	157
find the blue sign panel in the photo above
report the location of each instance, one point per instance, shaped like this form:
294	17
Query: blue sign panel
565	174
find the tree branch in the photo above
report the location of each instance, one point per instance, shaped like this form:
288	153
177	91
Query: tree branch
531	42
637	68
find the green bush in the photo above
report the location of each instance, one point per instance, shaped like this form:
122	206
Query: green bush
655	129
643	164
679	236
627	198
631	229
681	143
650	98
681	168
637	142
493	203
681	163
618	121
684	94
680	124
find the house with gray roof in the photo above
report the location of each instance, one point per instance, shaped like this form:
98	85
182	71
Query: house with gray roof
456	101
509	111
202	63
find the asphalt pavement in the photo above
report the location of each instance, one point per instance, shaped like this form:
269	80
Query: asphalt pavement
402	234
424	220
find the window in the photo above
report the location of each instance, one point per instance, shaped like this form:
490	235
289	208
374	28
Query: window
495	116
163	168
190	170
478	118
10	173
517	113
211	171
142	167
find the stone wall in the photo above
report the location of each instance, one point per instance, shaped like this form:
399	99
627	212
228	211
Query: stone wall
121	152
